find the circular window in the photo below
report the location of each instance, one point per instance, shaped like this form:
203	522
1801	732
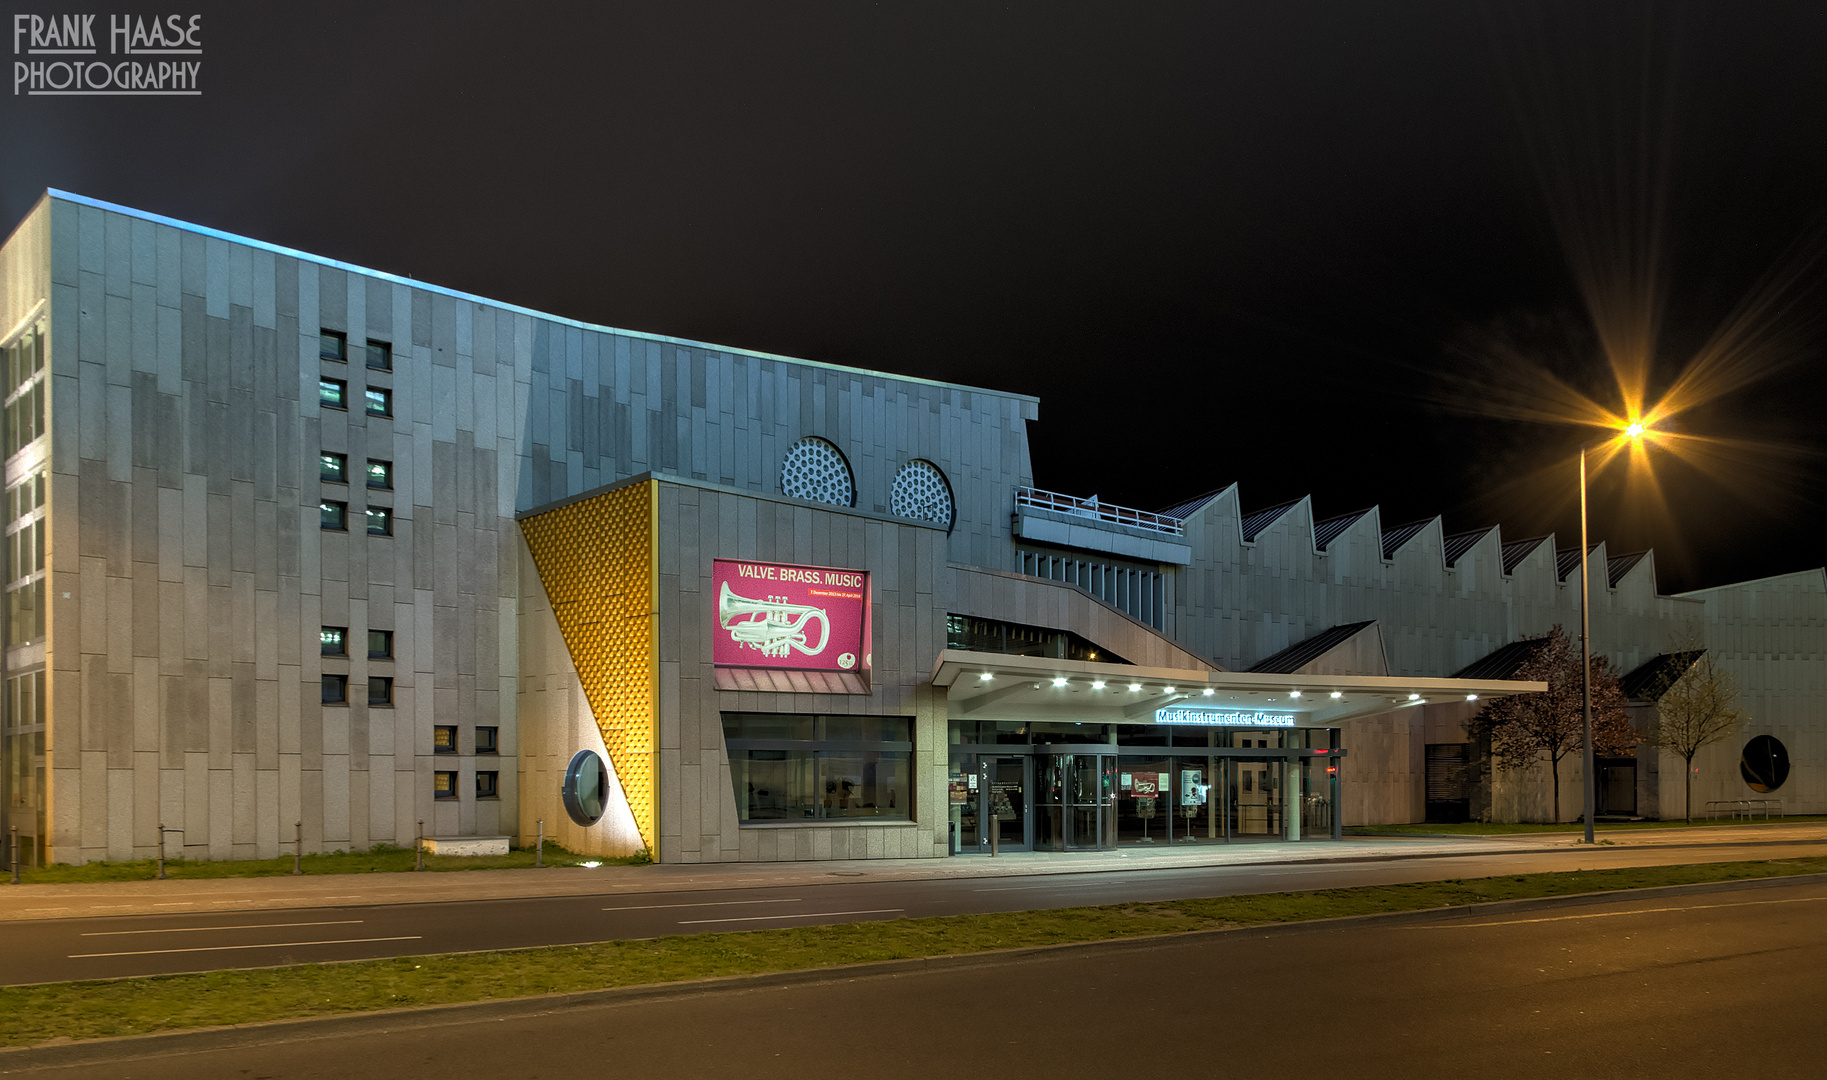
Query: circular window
1766	763
920	491
586	787
816	470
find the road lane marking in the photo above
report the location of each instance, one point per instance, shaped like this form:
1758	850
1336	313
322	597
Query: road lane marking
807	915
194	929
222	948
716	903
1614	914
1062	885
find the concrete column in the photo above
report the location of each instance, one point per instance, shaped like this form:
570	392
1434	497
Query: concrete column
1290	798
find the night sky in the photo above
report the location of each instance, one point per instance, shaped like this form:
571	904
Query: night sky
1269	243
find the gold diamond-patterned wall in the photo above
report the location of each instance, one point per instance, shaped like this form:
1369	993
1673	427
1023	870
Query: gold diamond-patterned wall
596	559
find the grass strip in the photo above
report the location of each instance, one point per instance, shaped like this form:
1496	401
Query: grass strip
382	858
1484	828
86	1010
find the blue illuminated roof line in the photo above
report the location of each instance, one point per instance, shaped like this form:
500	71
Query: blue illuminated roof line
294	253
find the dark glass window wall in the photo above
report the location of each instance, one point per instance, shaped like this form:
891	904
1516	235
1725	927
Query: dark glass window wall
800	768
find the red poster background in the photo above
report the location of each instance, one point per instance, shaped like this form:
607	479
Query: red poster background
784	615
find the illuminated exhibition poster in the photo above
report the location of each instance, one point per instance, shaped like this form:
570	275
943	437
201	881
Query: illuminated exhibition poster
777	615
1217	718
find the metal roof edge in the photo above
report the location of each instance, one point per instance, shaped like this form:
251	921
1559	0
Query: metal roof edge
324	260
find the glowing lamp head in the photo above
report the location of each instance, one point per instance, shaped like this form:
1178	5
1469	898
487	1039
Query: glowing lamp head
1337	694
1097	684
1135	687
1635	430
986	676
1059	681
1294	693
1209	691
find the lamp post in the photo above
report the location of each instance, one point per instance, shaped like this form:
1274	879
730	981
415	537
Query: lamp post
1633	432
1591	790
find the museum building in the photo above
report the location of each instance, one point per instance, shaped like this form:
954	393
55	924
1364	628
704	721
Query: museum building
293	544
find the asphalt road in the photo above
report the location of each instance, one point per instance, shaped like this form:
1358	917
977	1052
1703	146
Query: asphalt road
106	947
1705	986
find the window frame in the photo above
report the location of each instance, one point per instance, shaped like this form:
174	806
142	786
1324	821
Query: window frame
449	792
493	746
340	683
342	641
341	355
452	748
386	468
341	467
382	514
341	386
384	400
385	350
384	683
812	755
387	636
494	784
341	515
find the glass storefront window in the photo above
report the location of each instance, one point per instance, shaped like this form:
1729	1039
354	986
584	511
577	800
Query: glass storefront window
787	767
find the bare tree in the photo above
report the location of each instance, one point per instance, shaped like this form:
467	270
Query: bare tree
1696	705
1524	727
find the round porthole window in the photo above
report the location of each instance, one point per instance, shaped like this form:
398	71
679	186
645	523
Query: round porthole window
586	787
920	491
815	469
1766	763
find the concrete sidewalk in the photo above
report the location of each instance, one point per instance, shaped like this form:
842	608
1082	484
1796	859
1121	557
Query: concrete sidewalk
232	894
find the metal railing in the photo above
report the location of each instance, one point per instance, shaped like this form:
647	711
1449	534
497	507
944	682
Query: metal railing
1092	508
1744	808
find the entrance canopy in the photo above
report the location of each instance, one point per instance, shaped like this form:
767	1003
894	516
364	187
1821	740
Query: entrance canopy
999	686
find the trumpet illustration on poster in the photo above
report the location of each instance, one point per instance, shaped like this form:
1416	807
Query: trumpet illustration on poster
771	625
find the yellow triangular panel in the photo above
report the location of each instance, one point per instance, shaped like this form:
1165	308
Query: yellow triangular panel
596	559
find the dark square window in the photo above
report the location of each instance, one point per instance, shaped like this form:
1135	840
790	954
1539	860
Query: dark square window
333	393
380	402
332	345
380	644
488	740
334	640
380	521
488	785
380	474
336	689
380	356
444	785
333	468
333	515
444	739
380	691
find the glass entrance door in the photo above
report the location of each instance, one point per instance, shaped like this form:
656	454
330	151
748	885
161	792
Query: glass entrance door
1091	790
1256	798
1005	802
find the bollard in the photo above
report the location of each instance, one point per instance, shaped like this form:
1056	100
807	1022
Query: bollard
539	847
161	851
298	849
15	857
419	851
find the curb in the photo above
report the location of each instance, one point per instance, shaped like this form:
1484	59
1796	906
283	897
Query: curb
196	1040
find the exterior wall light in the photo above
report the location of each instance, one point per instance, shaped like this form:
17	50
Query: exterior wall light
986	676
1294	693
1337	694
1167	689
1471	697
1059	681
1414	697
1134	687
1209	691
1097	684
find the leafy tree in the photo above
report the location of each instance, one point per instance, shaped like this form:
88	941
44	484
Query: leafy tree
1523	727
1696	705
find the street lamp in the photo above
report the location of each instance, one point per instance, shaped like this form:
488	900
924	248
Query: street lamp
1634	432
